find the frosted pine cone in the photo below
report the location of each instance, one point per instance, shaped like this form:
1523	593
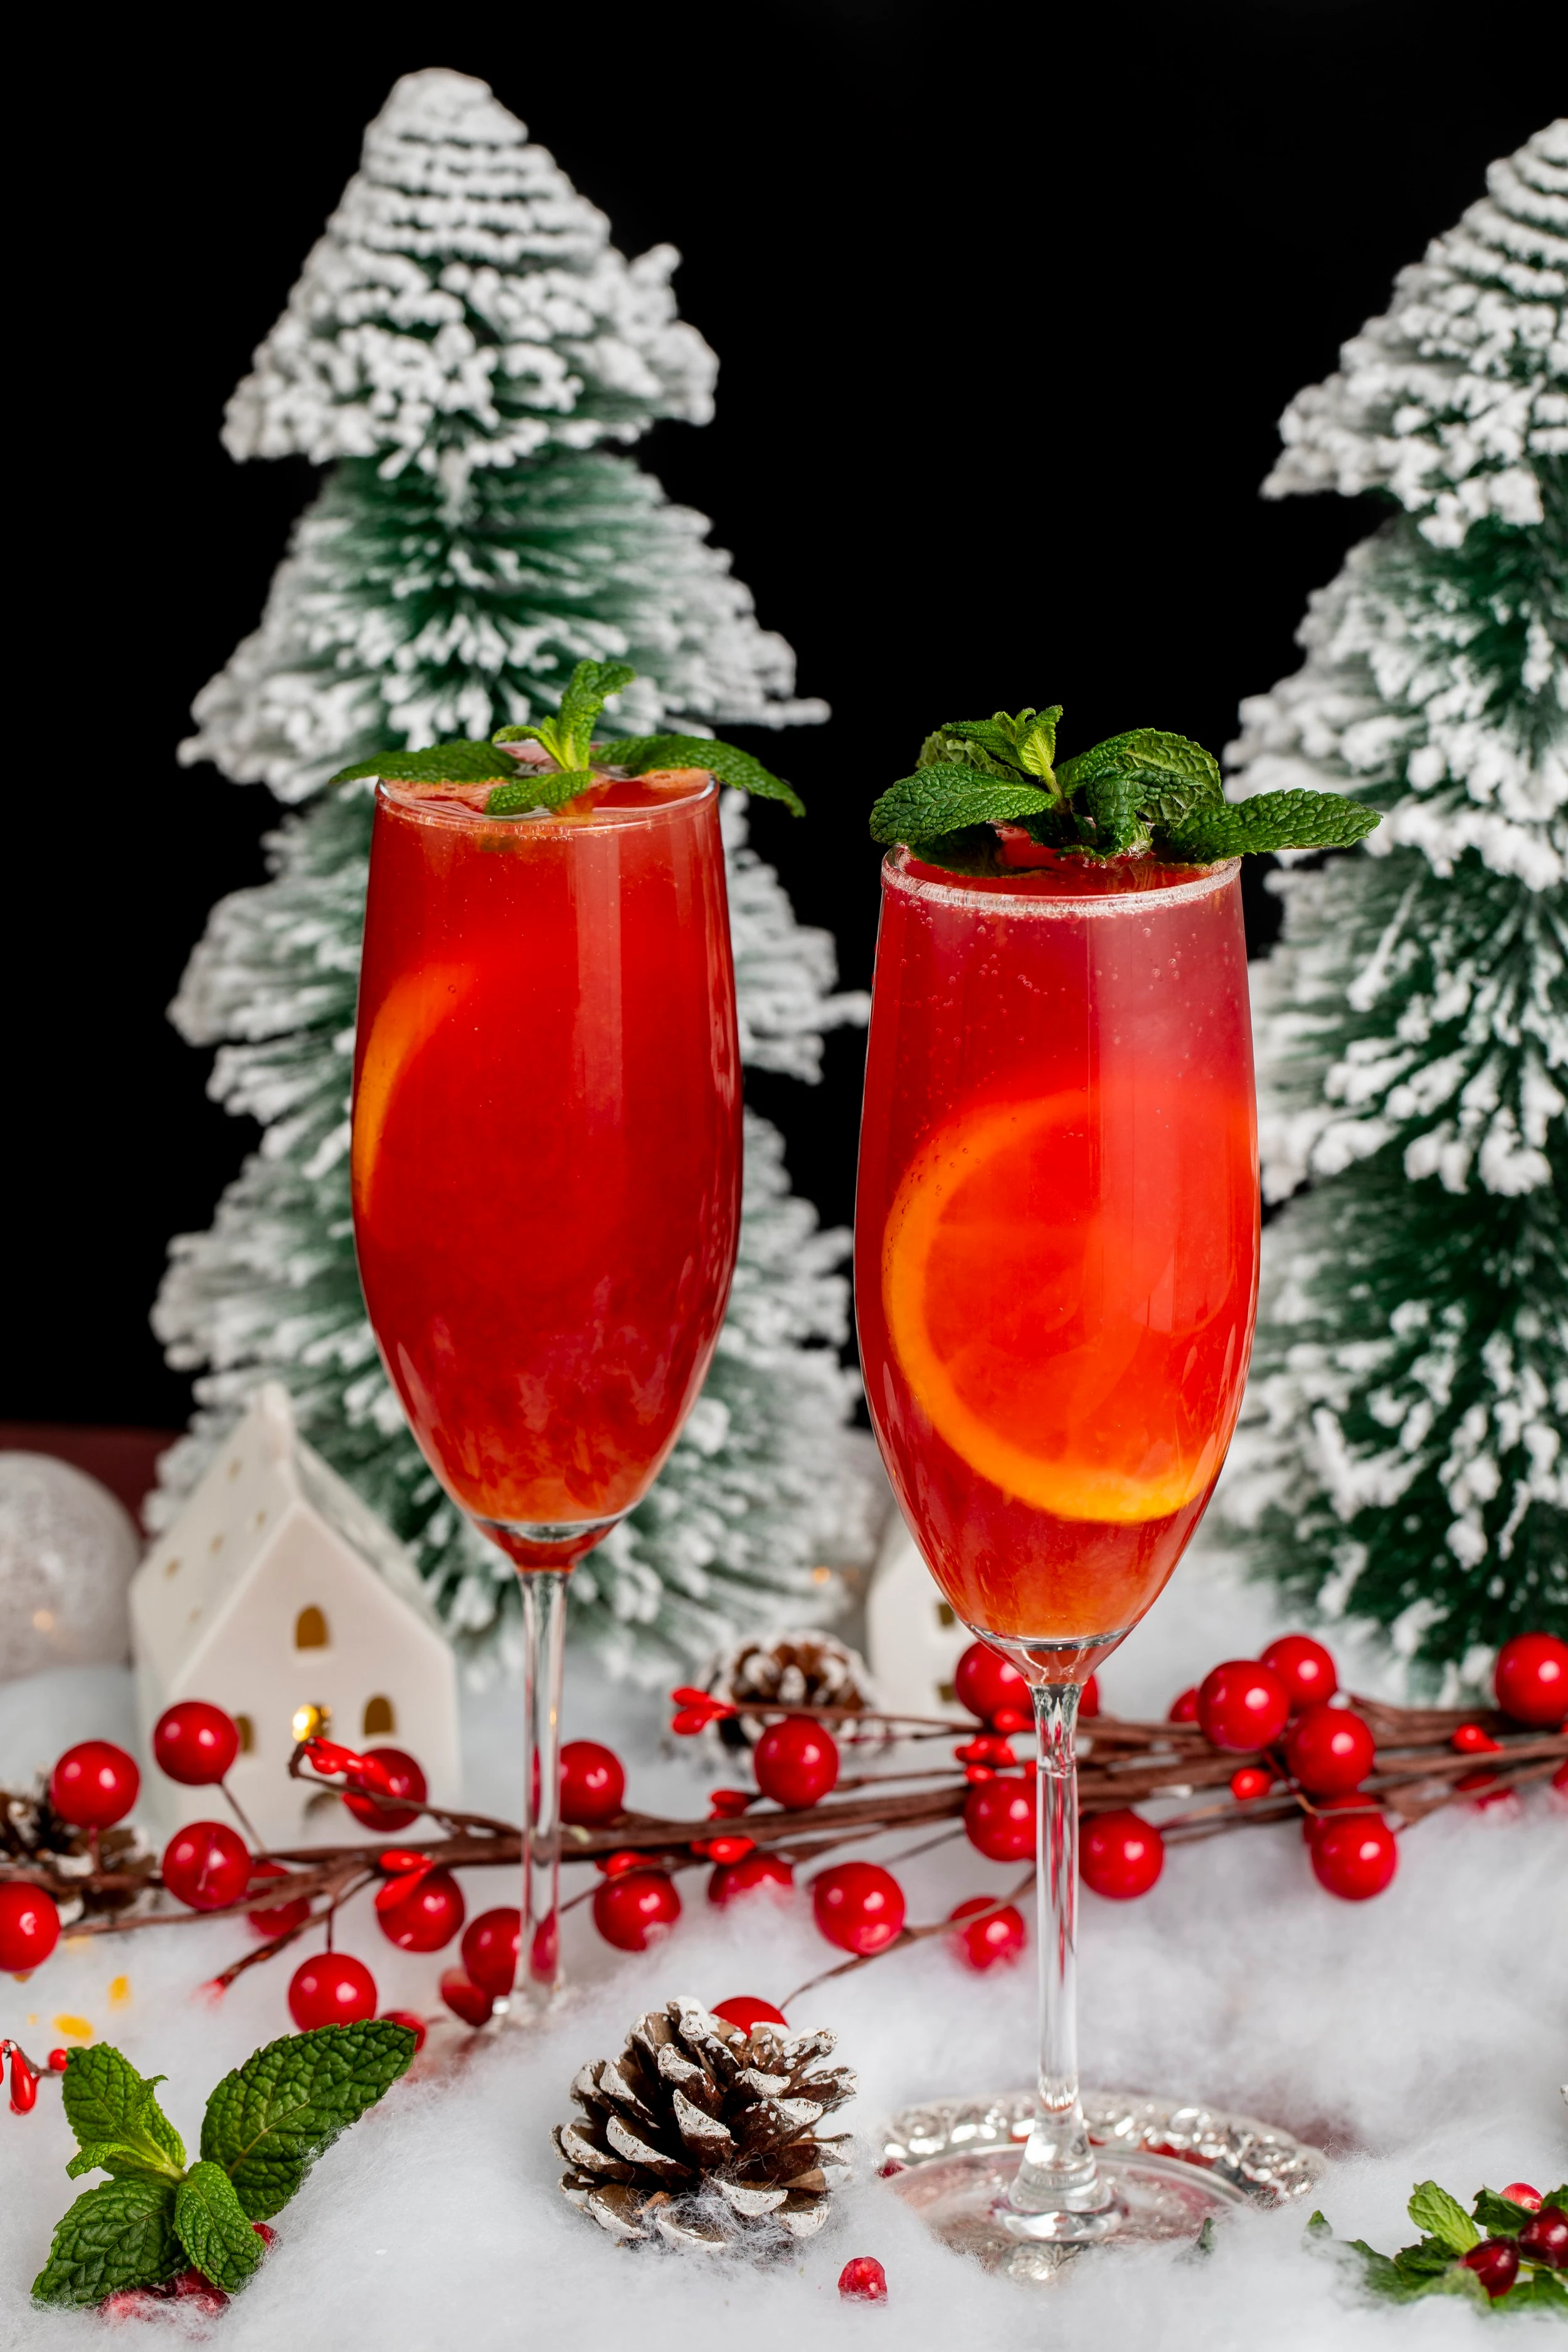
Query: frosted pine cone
704	2136
31	1831
789	1670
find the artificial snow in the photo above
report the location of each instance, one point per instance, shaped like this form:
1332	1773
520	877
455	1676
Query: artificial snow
1412	2036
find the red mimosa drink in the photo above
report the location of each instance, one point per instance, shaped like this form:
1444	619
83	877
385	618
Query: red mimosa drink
547	1140
1056	1228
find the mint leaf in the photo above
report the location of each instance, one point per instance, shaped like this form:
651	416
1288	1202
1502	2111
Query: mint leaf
1378	2273
1272	821
941	800
1543	2290
637	753
213	2228
1037	747
1442	2217
1557	2198
1500	2216
567	736
954	746
270	2120
116	2158
109	2104
1425	2261
1109	801
443	763
121	2234
538	788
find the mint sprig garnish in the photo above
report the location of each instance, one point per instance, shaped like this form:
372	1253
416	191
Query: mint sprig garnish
265	2125
1141	791
1451	2256
525	787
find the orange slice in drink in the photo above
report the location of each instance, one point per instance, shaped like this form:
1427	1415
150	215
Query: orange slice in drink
1024	1310
410	1015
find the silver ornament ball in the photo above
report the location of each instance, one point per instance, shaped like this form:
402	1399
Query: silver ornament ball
67	1553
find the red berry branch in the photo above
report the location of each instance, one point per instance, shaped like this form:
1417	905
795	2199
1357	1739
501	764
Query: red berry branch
1261	1741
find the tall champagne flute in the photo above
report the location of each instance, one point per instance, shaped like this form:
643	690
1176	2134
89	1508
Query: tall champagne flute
1057	1235
546	1166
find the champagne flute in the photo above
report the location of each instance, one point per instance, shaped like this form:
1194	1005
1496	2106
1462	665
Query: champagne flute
1056	1232
546	1172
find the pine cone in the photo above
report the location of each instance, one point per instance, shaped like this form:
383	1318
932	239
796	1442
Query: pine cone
31	1831
789	1670
704	2136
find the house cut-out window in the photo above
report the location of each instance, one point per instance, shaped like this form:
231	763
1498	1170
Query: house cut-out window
246	1731
309	1630
379	1716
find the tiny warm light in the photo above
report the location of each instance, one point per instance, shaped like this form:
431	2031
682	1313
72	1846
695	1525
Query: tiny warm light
822	1576
43	1621
311	1722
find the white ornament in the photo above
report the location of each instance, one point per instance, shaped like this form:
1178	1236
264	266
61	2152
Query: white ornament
67	1550
278	1591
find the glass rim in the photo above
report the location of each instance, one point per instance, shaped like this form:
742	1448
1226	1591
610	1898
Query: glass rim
957	891
391	791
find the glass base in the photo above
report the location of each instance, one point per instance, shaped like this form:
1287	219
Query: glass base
533	1545
963	2201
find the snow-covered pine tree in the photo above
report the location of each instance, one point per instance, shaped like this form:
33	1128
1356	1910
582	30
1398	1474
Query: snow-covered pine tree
1402	1454
463	343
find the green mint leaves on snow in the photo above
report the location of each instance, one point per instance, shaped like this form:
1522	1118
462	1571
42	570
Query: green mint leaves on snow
568	737
1452	2256
265	2125
1141	791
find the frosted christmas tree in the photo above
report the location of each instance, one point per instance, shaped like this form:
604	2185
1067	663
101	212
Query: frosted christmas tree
464	348
1403	1456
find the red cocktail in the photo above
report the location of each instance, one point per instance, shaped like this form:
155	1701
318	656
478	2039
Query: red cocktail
1056	1224
546	1166
1056	1278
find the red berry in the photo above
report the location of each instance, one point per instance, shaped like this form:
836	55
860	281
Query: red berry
858	1905
636	1909
195	1743
1495	2262
1304	1666
999	1818
334	1988
988	1940
281	1916
264	2230
1471	1741
465	1998
24	2085
1119	1854
409	2021
1356	1858
985	1680
420	1910
94	1785
1089	1699
733	1878
613	1865
593	1783
389	1773
1243	1704
206	1866
863	2281
1329	1749
29	1926
59	2060
742	2010
492	1946
194	2287
724	1804
1545	2238
1184	1706
1251	1780
1531	1680
795	1762
1013	1718
1519	2193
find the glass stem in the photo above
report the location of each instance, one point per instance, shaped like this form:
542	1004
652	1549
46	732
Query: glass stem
544	1634
1057	2174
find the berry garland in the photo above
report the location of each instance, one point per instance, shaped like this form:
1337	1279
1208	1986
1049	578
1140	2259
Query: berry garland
1261	1741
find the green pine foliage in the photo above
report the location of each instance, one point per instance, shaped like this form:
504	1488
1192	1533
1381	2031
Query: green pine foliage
473	542
1401	1456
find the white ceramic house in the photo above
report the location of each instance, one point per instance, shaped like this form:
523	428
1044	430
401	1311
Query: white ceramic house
277	1589
913	1639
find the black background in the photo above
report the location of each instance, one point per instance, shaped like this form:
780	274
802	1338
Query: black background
1007	303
